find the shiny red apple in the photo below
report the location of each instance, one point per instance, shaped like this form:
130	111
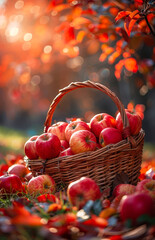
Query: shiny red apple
30	148
10	183
110	135
58	129
18	169
133	206
64	145
40	185
101	121
83	190
124	189
74	127
66	152
48	146
82	141
147	186
135	122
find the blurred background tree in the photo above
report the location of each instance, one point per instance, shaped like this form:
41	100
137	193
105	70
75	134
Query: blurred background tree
45	45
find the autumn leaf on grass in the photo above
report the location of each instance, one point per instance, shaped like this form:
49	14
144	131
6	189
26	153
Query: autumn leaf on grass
24	217
95	221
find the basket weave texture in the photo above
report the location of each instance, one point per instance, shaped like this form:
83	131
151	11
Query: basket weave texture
102	165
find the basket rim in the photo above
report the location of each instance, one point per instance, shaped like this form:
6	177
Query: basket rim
88	84
109	148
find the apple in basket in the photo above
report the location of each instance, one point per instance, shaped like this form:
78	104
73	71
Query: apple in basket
82	141
135	122
101	121
83	190
58	129
74	127
110	135
66	152
48	146
134	206
18	169
40	185
64	145
30	148
10	183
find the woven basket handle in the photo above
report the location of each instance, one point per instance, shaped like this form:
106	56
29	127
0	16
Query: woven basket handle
88	84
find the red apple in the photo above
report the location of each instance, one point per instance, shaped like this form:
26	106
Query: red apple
40	185
18	169
101	121
48	146
64	145
82	190
10	183
110	135
66	152
74	127
82	141
124	189
30	148
147	186
135	205
135	122
58	129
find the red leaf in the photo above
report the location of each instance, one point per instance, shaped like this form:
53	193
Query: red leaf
130	21
81	34
103	37
69	34
52	4
80	21
102	57
122	14
96	222
131	65
139	2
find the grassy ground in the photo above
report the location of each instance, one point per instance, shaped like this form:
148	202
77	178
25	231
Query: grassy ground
11	141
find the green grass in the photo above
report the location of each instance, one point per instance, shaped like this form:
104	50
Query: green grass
12	141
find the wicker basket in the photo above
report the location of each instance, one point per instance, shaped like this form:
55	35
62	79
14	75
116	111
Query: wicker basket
102	165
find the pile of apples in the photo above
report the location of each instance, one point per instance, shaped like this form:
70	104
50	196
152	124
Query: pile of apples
64	139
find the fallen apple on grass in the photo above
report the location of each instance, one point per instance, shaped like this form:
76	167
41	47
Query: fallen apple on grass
124	189
40	185
82	141
58	129
48	146
18	169
10	184
147	186
82	190
136	205
109	135
101	121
